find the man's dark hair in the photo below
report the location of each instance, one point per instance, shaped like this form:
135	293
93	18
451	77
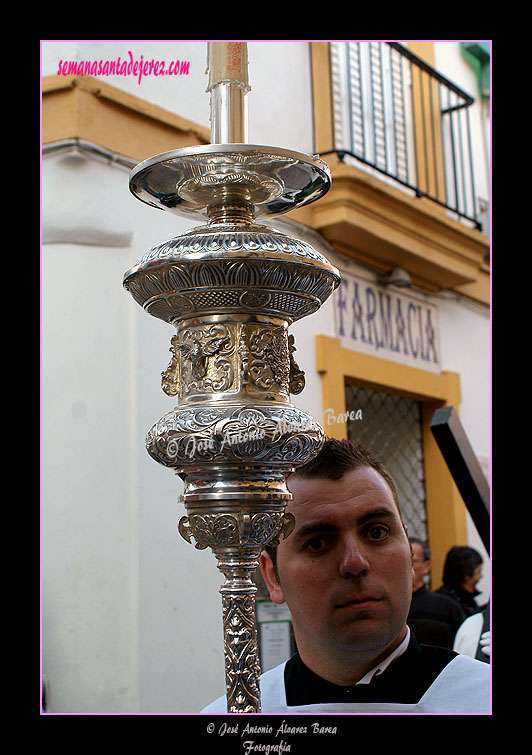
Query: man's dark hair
424	546
460	562
337	458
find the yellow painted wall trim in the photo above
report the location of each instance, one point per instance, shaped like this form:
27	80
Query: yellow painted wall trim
86	108
446	512
430	162
321	88
424	50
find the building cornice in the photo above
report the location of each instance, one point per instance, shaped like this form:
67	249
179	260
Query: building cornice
382	227
85	108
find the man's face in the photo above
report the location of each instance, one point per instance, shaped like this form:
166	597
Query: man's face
346	569
421	566
470	583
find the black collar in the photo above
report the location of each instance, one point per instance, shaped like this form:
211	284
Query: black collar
404	681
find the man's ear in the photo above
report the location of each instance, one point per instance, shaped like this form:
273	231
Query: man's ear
268	572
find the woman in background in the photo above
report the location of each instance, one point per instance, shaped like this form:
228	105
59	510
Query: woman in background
461	574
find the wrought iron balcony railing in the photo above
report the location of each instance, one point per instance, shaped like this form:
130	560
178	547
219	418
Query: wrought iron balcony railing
396	114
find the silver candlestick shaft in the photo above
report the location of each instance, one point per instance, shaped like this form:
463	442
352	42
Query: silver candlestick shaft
227	65
231	289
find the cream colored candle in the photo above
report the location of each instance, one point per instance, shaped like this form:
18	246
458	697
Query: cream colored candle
228	84
228	62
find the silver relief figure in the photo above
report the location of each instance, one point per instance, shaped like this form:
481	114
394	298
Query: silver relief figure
230	289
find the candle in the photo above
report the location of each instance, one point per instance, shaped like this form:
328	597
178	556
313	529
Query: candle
228	62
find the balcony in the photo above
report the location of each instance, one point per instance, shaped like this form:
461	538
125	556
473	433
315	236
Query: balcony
398	139
397	115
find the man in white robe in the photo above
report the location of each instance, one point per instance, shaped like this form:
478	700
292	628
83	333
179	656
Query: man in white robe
345	572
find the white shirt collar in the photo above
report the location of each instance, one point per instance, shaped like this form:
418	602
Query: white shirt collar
380	667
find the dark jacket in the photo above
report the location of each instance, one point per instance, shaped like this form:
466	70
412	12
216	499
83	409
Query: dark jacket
465	598
435	618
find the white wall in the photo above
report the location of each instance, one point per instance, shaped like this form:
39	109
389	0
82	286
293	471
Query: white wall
90	504
466	349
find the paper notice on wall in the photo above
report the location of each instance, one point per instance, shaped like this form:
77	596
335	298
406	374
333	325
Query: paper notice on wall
274	623
267	610
274	643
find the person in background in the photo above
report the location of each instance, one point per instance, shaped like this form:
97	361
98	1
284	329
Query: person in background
434	618
461	573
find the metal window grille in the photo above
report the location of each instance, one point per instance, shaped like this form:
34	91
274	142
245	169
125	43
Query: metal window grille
390	427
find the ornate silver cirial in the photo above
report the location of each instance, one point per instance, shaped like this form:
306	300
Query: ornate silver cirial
231	289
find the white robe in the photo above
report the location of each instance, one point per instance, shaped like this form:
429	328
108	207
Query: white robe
462	687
